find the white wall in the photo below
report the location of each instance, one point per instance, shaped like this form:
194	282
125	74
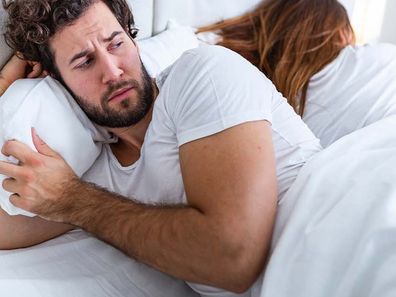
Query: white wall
349	5
388	30
373	20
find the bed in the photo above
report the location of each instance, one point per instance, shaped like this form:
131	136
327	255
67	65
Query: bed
336	227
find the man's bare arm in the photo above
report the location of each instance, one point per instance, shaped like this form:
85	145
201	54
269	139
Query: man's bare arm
22	231
221	238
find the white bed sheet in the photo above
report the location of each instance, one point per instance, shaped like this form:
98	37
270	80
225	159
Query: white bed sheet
79	265
339	237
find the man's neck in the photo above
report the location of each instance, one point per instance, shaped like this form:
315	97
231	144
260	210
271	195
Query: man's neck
130	139
134	135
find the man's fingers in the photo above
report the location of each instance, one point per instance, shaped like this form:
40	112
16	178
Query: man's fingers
17	149
24	153
36	71
9	169
10	185
44	74
17	201
41	146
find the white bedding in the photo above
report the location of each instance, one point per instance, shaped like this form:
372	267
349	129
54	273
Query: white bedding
338	241
340	214
335	236
79	265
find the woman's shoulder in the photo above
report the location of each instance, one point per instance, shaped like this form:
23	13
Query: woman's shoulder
376	51
378	47
355	59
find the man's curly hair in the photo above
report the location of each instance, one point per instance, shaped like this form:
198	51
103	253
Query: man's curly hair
32	23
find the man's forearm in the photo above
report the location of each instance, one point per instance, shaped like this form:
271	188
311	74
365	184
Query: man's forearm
178	240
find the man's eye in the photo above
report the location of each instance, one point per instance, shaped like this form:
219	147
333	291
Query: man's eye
117	45
86	64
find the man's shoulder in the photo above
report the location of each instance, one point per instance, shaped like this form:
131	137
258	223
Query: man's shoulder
190	64
209	51
209	54
205	59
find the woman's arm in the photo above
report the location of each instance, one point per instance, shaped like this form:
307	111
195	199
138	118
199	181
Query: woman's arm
22	231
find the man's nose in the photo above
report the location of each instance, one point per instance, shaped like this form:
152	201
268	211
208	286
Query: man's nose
111	69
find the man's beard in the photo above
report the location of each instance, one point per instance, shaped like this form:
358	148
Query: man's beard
128	115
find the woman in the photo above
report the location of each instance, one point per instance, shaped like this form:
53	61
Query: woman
307	48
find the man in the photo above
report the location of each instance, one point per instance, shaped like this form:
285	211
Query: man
194	154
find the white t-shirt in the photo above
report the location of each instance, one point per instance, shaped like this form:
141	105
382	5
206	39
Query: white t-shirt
209	89
355	90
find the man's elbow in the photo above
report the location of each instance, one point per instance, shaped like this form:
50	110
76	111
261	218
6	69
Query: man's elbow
242	285
244	263
243	272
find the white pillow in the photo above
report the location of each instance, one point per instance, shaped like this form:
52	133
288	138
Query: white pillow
164	49
45	105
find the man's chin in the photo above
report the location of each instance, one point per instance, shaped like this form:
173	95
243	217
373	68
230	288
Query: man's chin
118	119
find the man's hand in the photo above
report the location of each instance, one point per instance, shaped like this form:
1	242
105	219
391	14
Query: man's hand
40	181
17	68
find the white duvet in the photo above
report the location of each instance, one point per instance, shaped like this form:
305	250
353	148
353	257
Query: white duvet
339	237
335	237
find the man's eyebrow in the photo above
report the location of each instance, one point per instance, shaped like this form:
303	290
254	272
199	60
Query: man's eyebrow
114	34
86	52
78	56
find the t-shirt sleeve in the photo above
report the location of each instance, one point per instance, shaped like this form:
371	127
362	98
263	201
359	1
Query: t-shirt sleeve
211	89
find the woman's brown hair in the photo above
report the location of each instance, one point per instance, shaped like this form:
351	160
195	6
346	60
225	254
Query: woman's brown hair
289	41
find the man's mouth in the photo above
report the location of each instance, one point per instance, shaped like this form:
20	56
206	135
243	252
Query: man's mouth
120	94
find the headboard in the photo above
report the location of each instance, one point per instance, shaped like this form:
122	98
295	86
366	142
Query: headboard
151	16
197	13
